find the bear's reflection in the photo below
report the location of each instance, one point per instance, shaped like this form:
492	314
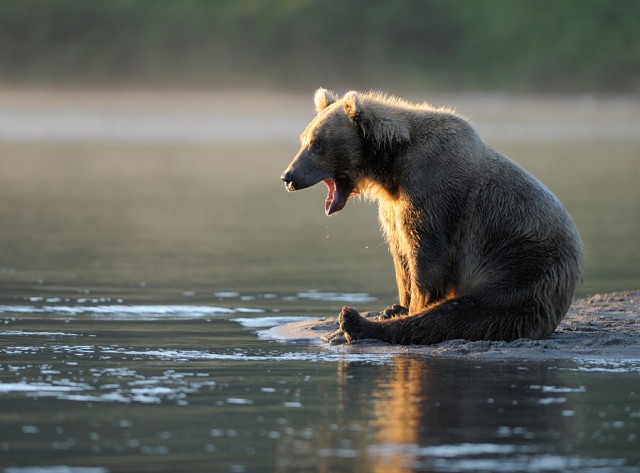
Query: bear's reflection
397	403
422	414
397	413
420	403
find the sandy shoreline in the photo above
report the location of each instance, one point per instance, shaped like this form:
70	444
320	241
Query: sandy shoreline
604	327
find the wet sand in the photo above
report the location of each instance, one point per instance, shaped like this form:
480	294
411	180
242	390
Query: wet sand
604	327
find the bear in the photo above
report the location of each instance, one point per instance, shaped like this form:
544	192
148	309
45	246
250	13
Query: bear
482	250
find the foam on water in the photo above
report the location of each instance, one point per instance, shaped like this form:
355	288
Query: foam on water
311	356
126	312
21	333
558	389
353	297
313	295
126	385
474	457
129	386
168	354
606	366
263	322
448	451
38	387
55	469
534	464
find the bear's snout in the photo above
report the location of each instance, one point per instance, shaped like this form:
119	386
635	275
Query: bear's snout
303	172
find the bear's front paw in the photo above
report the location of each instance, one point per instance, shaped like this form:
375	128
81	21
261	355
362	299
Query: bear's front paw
393	311
353	325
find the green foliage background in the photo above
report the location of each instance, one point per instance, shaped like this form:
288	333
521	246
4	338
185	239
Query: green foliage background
516	45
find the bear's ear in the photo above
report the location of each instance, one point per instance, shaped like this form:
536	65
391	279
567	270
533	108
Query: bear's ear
351	105
323	98
378	117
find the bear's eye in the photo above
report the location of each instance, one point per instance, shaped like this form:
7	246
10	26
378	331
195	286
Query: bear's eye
316	142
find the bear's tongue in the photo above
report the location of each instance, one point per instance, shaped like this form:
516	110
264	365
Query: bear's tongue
336	199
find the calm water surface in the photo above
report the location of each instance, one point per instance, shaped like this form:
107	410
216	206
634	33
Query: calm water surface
135	282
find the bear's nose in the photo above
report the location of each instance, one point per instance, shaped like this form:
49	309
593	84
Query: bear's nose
286	177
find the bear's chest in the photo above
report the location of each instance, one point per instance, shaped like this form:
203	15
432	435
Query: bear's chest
397	225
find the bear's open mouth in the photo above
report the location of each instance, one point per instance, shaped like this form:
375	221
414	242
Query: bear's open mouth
338	194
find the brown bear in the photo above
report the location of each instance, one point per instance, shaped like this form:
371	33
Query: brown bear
482	249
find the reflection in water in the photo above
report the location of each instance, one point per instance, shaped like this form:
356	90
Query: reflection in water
397	410
459	416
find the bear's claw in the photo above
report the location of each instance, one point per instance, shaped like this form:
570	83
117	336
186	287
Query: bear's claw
394	310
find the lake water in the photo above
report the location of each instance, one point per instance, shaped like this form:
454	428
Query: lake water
144	249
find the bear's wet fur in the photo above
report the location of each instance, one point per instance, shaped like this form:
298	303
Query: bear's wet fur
482	250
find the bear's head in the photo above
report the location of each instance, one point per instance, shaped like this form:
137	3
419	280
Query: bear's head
336	147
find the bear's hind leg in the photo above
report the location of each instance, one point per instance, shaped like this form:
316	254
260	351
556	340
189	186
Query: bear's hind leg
464	317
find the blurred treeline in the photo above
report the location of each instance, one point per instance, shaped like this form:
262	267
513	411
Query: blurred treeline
517	45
